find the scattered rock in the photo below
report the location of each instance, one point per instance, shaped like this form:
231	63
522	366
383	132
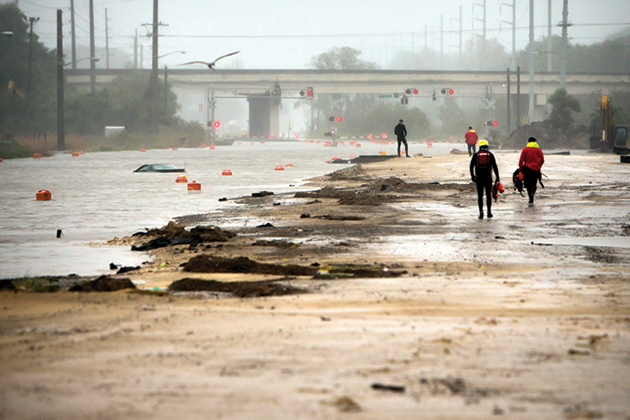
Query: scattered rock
223	199
126	269
262	194
242	289
104	284
339	217
280	243
384	387
346	405
214	264
265	225
113	266
6	285
305	216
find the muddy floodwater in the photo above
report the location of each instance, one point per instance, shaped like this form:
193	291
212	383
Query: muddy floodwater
97	196
373	293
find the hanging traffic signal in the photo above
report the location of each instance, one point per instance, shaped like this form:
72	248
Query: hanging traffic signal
447	91
333	119
309	92
491	123
411	91
216	124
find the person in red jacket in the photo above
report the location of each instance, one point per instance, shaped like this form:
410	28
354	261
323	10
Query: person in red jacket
471	140
530	164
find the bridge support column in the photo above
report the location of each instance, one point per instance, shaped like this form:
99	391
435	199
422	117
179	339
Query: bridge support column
264	116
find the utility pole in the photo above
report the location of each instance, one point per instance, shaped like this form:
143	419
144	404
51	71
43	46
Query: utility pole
106	40
135	51
460	32
509	126
518	96
154	68
549	43
426	38
165	91
513	23
141	55
530	112
92	50
32	21
483	46
61	141
565	40
74	36
441	39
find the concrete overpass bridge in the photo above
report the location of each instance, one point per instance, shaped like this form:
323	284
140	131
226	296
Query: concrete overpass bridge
259	86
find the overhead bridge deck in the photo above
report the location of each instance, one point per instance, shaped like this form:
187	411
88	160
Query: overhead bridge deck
291	82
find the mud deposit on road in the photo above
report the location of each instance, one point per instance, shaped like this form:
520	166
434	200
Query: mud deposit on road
391	301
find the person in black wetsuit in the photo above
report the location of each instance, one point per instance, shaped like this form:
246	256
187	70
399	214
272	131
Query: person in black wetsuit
401	134
481	166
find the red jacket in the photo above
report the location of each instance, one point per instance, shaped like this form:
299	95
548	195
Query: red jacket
532	157
471	137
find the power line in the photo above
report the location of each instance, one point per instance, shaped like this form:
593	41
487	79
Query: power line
374	35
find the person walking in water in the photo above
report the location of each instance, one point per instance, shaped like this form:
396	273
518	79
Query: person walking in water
471	141
481	166
530	163
401	134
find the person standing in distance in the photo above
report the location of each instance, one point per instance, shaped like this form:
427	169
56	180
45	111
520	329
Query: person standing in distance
471	141
530	164
481	166
401	133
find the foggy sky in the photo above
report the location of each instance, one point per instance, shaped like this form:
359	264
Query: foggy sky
288	33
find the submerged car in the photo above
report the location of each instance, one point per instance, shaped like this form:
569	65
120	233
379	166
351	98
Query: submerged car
159	167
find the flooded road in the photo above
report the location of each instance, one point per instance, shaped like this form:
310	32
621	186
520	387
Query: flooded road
97	196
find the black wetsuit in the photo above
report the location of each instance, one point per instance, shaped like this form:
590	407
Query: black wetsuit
481	166
401	134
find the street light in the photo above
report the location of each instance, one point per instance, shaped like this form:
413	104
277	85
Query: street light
174	52
94	59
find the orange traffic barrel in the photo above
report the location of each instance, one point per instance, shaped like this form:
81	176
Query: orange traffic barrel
262	142
0	160
358	144
143	150
37	156
174	148
289	165
43	195
279	168
74	154
226	172
181	179
429	144
203	146
211	147
194	186
352	156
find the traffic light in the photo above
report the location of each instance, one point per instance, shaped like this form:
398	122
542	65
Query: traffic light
309	92
447	91
333	119
491	123
216	124
411	91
